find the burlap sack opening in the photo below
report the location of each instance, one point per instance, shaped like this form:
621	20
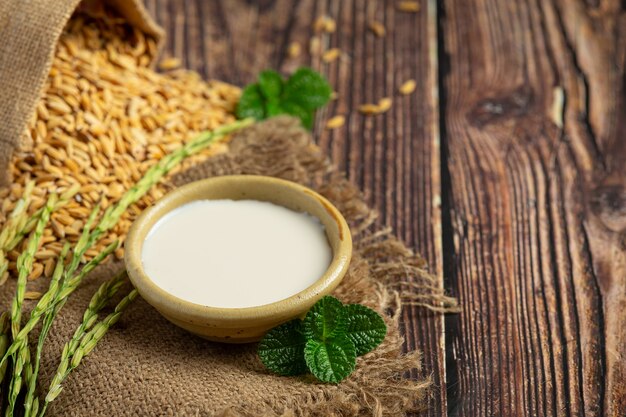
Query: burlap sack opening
29	32
146	366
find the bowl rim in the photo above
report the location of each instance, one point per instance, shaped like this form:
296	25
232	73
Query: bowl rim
289	307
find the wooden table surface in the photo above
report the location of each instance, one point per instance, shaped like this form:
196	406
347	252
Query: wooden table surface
506	169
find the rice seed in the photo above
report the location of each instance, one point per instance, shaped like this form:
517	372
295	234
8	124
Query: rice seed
335	122
294	50
314	46
169	64
368	109
384	104
331	55
32	295
330	25
377	28
407	87
36	272
49	266
325	24
408	6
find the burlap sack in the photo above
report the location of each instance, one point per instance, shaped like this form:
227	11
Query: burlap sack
29	31
146	366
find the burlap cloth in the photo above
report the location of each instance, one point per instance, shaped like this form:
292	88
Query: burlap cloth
29	31
146	366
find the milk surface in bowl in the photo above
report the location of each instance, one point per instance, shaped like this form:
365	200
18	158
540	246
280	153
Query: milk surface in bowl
235	254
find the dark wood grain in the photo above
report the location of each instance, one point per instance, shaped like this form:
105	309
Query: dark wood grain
535	157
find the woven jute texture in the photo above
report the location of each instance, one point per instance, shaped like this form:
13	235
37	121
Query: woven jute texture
146	366
29	31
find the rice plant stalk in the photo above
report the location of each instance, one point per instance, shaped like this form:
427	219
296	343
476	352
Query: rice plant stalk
112	214
31	380
24	266
51	303
87	344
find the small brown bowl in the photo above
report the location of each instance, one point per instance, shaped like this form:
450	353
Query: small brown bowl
240	325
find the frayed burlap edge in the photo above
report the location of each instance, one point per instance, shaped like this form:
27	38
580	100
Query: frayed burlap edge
281	148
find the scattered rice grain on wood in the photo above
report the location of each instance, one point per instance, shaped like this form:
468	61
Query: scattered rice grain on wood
335	122
294	50
331	55
408	6
325	24
377	28
315	46
368	108
384	104
407	87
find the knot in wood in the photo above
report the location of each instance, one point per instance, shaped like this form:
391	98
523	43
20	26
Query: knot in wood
608	202
500	108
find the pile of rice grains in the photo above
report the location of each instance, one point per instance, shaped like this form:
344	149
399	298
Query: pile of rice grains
103	119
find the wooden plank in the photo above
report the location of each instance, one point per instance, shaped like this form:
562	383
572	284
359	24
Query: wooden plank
393	157
534	125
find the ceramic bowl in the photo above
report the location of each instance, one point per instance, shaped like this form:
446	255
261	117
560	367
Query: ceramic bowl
240	325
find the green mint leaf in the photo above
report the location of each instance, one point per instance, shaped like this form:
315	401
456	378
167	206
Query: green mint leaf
273	108
294	109
271	84
331	360
282	349
307	88
251	103
299	96
364	327
325	319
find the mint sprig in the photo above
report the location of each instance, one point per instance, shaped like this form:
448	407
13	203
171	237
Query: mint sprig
326	343
300	95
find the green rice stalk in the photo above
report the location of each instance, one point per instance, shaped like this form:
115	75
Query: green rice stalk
46	301
31	403
100	299
54	299
87	344
24	266
112	215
